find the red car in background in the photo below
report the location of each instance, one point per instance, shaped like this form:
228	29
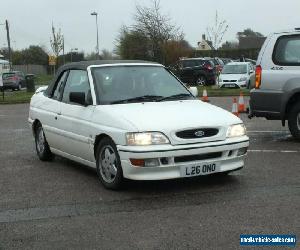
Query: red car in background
14	80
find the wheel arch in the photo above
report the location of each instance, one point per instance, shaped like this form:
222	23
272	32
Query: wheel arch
98	139
295	97
34	125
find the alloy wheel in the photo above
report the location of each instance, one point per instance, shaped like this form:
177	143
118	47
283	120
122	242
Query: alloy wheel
107	162
201	81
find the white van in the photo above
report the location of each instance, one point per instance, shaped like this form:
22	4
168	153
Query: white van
4	66
277	89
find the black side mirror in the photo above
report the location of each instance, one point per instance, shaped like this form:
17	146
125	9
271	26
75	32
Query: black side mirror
78	97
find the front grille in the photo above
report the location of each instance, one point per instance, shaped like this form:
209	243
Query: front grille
200	157
229	80
197	133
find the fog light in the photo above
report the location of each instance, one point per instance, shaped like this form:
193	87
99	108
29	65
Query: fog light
242	151
151	162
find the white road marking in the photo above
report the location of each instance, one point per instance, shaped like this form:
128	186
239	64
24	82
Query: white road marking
268	131
272	151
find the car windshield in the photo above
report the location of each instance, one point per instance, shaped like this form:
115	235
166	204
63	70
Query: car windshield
129	84
234	69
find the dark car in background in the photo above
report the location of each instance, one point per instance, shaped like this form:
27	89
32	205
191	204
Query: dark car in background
218	63
196	71
14	80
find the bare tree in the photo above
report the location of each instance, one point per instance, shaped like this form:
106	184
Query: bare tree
216	32
157	27
57	41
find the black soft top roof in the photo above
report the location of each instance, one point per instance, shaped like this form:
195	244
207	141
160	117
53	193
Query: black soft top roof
83	65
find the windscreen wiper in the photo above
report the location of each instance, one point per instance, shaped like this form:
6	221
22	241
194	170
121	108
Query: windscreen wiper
144	98
175	97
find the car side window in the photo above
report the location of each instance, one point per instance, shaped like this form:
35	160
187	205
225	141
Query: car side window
77	82
287	51
59	86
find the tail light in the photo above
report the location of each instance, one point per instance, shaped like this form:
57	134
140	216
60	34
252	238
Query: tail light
13	78
258	72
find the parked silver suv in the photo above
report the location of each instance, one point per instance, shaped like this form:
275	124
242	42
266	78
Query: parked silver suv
277	87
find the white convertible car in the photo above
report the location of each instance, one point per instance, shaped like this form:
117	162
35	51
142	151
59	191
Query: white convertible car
134	120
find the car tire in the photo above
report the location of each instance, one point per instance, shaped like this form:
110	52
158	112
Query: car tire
108	164
42	148
201	80
294	121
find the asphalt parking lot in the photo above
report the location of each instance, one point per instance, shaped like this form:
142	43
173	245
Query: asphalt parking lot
62	205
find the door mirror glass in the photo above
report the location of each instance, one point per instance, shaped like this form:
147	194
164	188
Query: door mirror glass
194	91
78	97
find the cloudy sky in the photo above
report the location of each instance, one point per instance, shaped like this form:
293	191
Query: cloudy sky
30	20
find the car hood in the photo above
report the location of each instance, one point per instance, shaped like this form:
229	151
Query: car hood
172	116
232	76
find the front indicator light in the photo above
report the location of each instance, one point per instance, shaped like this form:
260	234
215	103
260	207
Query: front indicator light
138	162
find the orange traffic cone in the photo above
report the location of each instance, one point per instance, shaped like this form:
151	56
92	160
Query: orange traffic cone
242	107
205	96
235	107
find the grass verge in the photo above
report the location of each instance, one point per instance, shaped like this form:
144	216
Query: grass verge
214	91
14	97
43	79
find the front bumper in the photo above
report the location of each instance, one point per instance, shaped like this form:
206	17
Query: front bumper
227	159
233	84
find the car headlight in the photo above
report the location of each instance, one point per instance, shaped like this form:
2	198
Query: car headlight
243	79
146	138
236	130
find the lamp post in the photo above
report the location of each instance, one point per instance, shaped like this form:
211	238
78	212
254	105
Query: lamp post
96	15
72	50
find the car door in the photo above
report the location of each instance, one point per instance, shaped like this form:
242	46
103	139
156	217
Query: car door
49	112
75	119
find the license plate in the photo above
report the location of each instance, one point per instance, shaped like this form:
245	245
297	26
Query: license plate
200	169
230	85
